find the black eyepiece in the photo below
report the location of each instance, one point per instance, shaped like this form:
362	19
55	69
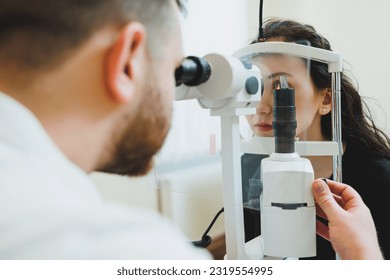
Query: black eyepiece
192	71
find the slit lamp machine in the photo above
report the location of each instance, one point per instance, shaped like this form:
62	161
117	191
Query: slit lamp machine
230	86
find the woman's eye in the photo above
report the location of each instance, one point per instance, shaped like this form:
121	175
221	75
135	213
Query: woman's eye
276	84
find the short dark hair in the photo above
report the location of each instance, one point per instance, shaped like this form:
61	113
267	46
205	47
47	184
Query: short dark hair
36	34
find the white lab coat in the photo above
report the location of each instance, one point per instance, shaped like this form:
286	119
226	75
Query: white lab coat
50	209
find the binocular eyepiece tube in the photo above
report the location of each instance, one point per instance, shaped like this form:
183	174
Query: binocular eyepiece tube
193	71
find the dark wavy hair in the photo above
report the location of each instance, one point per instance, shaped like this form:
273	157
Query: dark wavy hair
357	121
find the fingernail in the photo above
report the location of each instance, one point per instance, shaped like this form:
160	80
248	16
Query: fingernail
319	187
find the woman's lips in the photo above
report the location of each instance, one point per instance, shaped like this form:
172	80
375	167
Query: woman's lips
263	127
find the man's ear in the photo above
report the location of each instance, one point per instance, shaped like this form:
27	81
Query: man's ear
326	104
123	61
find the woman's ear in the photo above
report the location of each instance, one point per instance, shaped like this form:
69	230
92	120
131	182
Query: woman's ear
326	103
123	61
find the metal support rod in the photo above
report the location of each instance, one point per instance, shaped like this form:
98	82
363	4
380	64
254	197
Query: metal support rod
231	173
336	125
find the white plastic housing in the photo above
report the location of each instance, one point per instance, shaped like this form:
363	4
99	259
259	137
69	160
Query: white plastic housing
226	86
287	179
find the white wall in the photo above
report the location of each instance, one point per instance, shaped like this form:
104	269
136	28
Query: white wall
215	26
139	192
357	28
210	26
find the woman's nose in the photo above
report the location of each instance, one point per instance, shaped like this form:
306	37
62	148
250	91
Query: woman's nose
265	104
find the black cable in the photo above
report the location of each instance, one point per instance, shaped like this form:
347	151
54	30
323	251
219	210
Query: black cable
261	37
206	239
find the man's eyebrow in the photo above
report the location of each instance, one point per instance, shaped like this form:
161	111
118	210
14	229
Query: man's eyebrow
278	74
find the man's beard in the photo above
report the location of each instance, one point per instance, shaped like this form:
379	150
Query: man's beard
142	137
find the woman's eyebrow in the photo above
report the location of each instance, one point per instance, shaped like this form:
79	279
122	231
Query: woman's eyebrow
278	74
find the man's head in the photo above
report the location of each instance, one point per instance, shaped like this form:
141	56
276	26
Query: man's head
37	34
98	74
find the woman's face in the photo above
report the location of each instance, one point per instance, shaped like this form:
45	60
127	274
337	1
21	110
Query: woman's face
310	103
